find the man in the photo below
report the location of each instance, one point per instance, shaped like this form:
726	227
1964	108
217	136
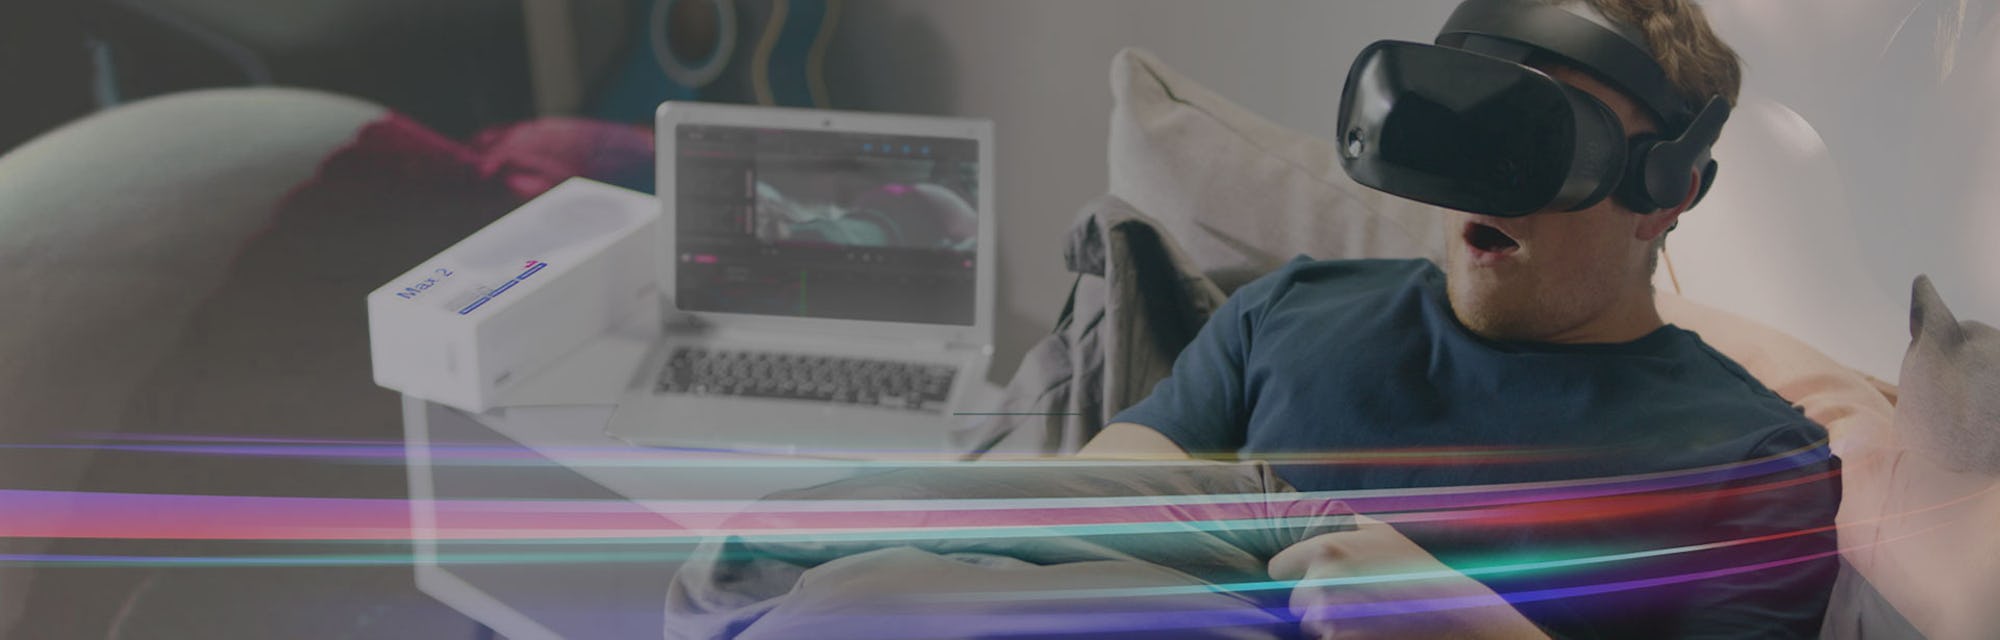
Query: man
1539	348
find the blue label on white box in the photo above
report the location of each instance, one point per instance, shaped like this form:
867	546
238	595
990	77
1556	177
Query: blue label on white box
534	266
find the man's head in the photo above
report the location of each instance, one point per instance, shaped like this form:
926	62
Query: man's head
1585	276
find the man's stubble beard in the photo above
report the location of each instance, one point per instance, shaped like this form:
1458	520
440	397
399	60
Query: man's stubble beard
1525	303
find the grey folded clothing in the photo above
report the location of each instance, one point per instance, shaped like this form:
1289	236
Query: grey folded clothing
1001	550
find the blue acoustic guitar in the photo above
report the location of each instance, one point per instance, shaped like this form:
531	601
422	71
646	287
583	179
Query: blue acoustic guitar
769	52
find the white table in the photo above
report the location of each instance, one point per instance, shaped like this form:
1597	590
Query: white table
555	447
570	458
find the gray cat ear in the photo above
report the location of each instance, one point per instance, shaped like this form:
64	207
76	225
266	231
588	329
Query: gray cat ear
1927	309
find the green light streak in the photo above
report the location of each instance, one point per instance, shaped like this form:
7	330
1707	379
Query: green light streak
920	534
1274	585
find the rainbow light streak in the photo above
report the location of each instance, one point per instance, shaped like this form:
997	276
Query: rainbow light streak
392	451
1093	621
1488	570
1377	609
901	624
1381	500
1517	597
377	453
41	514
1141	592
1019	624
158	437
344	560
65	514
149	516
1071	622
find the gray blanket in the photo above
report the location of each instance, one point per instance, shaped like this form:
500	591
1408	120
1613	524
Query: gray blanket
1086	564
1138	300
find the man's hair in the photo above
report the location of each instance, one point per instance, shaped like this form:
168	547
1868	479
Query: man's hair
1697	62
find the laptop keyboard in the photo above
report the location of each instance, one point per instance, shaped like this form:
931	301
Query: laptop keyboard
759	374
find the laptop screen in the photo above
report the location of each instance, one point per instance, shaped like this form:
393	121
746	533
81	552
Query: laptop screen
823	224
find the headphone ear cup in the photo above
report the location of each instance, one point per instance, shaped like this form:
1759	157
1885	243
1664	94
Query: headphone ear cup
1707	180
1633	190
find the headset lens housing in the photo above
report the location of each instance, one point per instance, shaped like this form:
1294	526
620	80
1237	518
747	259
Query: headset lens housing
1474	133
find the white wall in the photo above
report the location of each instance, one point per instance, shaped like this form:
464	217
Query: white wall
1815	268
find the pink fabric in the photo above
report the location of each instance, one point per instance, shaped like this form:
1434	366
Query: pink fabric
524	159
532	157
399	167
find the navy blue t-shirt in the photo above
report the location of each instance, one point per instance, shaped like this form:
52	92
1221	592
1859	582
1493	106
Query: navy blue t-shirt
1355	376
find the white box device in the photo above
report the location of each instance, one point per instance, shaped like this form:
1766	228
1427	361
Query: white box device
516	296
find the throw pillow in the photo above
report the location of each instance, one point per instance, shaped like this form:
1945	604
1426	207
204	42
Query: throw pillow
1240	193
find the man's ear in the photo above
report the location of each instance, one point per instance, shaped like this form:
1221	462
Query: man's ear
1659	222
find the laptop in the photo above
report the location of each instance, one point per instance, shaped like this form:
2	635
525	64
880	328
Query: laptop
829	281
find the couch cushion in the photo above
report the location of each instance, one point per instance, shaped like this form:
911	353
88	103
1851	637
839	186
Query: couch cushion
1239	192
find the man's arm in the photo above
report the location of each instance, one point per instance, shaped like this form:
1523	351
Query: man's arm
1783	526
1130	440
1202	405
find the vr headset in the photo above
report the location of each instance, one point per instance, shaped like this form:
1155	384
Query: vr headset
1467	124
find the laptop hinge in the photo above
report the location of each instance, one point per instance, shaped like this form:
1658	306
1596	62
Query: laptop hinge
959	345
930	345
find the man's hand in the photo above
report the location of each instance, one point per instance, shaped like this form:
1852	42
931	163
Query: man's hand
1374	583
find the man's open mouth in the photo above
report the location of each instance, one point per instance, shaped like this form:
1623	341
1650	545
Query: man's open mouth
1489	239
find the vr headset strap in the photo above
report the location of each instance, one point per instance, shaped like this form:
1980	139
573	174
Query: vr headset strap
1610	55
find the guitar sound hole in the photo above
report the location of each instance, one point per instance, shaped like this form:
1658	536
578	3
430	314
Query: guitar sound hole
691	29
